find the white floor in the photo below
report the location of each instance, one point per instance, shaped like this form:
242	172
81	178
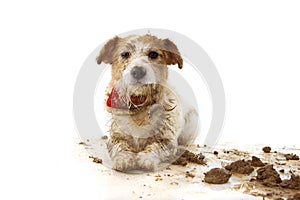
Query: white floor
99	182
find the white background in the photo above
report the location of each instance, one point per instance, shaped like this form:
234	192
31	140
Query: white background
254	44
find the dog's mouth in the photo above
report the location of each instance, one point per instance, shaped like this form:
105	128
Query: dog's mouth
138	100
133	98
140	95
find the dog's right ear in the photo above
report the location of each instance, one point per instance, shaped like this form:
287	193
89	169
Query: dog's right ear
172	53
106	54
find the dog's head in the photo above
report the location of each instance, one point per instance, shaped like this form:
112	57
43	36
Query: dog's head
139	61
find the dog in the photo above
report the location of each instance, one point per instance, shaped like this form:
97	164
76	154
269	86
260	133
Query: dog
147	123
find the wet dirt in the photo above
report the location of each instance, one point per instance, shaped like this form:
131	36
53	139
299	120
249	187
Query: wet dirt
240	167
267	149
217	176
190	157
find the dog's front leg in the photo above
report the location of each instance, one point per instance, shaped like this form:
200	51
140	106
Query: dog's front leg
123	159
155	154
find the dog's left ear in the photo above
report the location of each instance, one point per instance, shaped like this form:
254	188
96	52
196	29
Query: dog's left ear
172	53
107	53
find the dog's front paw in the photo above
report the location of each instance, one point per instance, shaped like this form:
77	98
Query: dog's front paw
148	161
124	161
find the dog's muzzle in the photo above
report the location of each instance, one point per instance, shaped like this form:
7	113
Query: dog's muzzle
138	72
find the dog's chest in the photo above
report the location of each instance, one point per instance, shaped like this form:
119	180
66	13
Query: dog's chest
140	118
158	123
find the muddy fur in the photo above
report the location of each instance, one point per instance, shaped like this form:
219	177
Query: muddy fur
145	133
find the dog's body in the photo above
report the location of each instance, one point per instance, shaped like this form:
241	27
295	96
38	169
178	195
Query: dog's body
147	120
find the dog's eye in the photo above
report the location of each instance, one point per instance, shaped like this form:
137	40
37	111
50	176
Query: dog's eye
153	54
125	54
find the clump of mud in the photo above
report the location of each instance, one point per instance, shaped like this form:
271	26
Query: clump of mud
295	197
189	157
217	176
267	149
268	175
292	183
256	162
240	167
96	160
291	156
260	178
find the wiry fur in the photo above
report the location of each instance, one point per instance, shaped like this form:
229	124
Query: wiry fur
145	135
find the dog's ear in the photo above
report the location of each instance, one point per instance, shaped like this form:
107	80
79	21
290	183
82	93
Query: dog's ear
106	54
172	53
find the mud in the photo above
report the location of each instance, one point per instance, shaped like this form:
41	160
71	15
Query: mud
256	162
267	149
82	143
104	137
292	183
268	175
271	176
240	167
295	197
291	156
189	174
96	160
217	176
189	157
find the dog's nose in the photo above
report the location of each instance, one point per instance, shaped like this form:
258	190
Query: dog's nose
138	72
